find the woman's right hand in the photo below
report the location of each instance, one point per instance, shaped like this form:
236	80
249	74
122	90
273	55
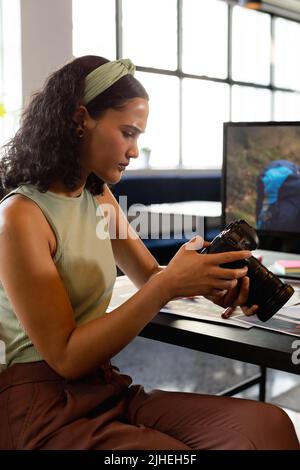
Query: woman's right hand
190	273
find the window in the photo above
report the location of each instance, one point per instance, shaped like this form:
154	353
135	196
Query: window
250	104
10	68
150	32
251	46
94	28
205	108
203	62
204	38
287	57
160	143
286	106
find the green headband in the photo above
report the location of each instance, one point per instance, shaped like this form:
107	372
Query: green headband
104	76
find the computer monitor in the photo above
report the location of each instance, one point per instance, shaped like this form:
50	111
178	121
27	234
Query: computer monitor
261	180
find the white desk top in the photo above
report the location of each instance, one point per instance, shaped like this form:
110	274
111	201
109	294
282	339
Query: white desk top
197	208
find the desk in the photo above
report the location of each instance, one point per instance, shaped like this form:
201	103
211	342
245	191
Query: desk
269	257
256	346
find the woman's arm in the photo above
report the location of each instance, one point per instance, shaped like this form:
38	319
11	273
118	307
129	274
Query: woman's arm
130	253
39	299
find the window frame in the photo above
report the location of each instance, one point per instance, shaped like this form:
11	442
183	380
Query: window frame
181	75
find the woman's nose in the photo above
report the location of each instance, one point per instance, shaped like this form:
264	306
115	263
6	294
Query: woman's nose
133	152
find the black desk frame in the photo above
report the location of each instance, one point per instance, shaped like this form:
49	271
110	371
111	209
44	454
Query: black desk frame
258	346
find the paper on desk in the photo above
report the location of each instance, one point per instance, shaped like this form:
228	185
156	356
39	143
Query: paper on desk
286	320
197	308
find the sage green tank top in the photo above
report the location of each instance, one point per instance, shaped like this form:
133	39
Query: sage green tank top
84	261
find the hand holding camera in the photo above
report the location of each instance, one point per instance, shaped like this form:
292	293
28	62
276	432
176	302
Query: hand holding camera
265	290
188	274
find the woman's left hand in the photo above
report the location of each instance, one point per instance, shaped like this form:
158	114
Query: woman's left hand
237	296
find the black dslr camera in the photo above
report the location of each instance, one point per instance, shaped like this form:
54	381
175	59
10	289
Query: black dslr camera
266	289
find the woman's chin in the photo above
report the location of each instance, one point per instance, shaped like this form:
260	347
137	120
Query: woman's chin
114	177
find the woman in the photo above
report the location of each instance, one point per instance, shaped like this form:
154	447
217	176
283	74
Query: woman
59	388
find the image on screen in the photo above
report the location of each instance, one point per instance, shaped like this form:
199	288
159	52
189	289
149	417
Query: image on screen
261	176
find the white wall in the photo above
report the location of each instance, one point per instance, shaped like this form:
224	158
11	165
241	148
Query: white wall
46	29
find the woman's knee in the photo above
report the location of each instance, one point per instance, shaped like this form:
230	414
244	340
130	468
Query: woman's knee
272	417
274	429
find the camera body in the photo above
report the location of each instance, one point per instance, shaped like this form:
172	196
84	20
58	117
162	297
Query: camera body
266	289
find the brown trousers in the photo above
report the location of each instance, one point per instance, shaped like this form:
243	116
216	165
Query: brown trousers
41	410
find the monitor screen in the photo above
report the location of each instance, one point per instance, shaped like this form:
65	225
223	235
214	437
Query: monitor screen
261	180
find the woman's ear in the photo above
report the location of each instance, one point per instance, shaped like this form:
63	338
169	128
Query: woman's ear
81	115
81	118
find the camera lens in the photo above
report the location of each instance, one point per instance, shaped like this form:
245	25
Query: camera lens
275	302
266	290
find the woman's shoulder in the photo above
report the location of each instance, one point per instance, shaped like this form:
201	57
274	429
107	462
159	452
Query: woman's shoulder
18	212
14	205
22	220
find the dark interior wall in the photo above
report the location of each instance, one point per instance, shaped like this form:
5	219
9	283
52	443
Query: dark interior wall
157	189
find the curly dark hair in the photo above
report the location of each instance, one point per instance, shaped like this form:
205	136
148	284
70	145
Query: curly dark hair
46	147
